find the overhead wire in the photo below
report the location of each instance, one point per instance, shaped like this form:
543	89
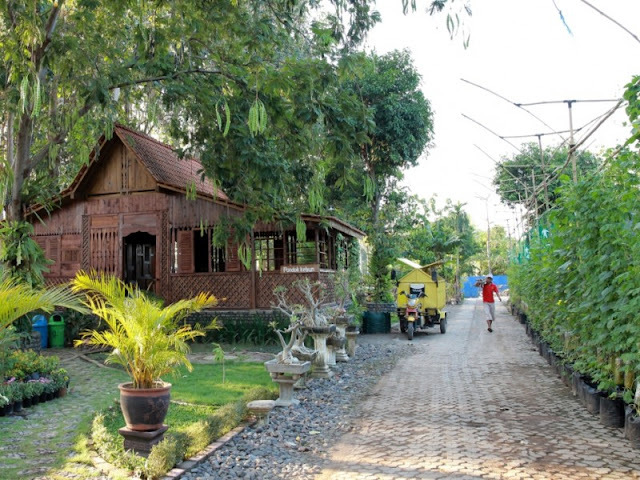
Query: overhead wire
555	173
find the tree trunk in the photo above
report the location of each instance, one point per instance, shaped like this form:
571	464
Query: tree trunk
20	167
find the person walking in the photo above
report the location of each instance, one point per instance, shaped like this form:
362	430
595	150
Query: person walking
488	291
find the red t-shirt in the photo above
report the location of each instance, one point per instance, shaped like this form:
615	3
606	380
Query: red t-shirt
487	292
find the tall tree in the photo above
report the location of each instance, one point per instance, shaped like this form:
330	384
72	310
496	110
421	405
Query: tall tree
70	69
399	127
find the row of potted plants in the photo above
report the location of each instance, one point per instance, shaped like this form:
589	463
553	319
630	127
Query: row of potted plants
14	394
607	403
29	378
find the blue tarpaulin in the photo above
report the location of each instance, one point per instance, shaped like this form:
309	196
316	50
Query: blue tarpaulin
469	291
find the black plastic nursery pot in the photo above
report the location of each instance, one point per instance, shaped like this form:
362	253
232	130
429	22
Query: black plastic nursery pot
611	411
591	398
632	426
575	384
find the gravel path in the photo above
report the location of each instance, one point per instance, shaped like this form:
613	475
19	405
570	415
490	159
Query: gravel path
295	442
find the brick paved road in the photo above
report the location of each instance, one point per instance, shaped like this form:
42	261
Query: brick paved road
472	404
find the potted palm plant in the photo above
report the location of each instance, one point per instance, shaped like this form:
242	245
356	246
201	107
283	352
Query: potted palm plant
145	338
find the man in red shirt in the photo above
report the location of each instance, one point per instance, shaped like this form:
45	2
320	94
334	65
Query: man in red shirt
488	289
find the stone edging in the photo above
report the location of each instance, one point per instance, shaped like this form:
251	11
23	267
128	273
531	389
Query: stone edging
200	457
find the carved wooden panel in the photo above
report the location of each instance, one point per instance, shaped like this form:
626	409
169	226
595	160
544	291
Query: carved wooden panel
70	255
105	249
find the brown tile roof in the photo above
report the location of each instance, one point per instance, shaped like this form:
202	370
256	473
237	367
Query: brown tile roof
166	167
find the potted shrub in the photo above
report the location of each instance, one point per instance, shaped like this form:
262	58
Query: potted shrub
145	338
4	402
16	394
38	390
61	380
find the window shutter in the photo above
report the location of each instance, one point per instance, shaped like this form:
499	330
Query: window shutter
185	251
233	262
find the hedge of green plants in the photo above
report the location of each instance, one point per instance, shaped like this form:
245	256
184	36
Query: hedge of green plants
580	286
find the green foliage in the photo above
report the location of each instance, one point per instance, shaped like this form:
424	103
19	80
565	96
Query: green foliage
19	299
23	258
24	363
253	330
146	338
499	251
581	284
382	258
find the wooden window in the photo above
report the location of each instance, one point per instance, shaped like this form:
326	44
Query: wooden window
218	256
201	251
323	249
269	247
301	253
192	252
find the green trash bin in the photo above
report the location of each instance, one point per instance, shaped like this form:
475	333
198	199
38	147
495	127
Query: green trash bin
56	331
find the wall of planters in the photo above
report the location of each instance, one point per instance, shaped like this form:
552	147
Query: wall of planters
608	405
29	379
578	286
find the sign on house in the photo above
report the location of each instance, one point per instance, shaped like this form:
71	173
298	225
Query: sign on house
300	268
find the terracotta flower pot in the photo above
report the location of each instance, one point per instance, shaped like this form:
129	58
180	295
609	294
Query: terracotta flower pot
144	409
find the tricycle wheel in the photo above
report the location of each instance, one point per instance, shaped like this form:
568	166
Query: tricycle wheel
403	325
410	331
443	325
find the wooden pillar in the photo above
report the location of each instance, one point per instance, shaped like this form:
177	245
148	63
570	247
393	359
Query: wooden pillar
254	283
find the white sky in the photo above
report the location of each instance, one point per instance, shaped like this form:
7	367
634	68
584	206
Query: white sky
521	50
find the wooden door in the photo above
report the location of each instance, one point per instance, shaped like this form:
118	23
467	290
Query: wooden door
140	260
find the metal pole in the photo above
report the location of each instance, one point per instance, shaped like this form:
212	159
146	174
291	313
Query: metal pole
572	144
535	197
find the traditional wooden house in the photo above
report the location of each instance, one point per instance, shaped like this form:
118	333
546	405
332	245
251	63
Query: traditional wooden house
141	213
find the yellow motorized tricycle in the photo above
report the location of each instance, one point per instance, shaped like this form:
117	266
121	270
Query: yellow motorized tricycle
421	299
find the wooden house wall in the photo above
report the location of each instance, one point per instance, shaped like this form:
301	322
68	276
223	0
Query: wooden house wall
67	220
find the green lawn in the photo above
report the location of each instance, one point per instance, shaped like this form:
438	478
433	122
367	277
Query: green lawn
201	405
203	386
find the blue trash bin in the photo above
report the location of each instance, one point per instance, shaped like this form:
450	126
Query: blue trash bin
41	325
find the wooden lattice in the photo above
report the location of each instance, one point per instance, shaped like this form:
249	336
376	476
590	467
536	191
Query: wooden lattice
86	242
165	248
268	281
231	290
326	276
